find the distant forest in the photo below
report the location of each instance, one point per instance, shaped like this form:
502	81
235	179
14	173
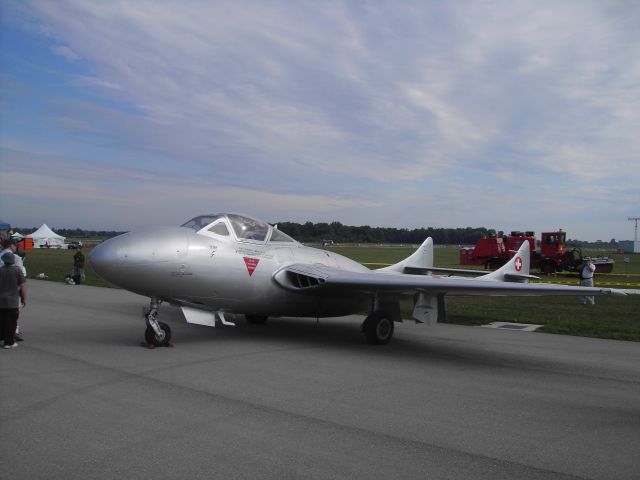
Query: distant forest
339	233
336	232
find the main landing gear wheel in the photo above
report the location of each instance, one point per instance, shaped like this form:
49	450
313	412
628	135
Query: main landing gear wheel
256	319
158	340
378	328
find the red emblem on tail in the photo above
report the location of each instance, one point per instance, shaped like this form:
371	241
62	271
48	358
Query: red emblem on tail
518	264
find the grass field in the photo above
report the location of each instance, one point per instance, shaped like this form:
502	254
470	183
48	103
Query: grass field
56	264
616	318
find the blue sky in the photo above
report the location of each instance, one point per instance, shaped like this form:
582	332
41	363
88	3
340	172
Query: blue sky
511	115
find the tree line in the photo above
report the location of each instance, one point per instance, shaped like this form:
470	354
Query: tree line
336	232
339	233
330	232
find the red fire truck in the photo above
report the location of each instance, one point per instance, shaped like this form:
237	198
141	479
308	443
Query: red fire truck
495	250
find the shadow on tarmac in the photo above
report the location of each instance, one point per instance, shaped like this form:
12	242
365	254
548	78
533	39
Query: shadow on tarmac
344	335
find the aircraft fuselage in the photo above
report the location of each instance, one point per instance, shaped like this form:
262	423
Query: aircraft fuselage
177	265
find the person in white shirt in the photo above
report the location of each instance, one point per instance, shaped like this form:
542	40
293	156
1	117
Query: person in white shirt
11	246
586	280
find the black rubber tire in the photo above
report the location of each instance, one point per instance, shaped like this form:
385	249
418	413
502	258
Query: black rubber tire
151	338
256	319
378	328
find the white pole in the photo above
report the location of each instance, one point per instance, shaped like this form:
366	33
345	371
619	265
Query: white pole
631	219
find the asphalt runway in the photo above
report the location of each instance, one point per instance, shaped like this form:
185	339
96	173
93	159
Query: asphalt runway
296	399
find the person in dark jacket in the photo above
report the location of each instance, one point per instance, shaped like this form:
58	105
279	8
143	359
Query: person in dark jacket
77	273
13	292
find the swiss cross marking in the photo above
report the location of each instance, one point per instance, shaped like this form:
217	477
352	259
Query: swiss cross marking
251	263
518	264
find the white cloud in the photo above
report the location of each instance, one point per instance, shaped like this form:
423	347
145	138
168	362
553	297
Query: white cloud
65	52
137	197
393	97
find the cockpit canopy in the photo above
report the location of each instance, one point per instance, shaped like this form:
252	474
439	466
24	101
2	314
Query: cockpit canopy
243	227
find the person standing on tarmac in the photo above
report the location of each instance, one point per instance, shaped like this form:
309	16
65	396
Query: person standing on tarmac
13	292
586	279
77	273
11	246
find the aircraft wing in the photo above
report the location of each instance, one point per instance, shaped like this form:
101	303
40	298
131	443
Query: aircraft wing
319	279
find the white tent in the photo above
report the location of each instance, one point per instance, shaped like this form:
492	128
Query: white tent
44	237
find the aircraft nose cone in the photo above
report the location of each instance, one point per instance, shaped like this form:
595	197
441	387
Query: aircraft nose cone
138	260
107	257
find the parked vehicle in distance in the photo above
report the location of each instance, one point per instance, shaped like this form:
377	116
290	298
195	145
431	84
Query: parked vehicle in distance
74	245
553	256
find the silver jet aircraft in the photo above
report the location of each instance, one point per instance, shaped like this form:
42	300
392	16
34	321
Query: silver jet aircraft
231	263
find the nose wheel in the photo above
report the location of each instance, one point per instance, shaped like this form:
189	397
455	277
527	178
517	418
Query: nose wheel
162	340
157	334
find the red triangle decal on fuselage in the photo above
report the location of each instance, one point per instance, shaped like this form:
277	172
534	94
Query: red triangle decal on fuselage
251	263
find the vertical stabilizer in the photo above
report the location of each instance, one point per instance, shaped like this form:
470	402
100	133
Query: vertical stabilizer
421	258
515	270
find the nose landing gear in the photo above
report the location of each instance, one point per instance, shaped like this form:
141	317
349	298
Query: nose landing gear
157	334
